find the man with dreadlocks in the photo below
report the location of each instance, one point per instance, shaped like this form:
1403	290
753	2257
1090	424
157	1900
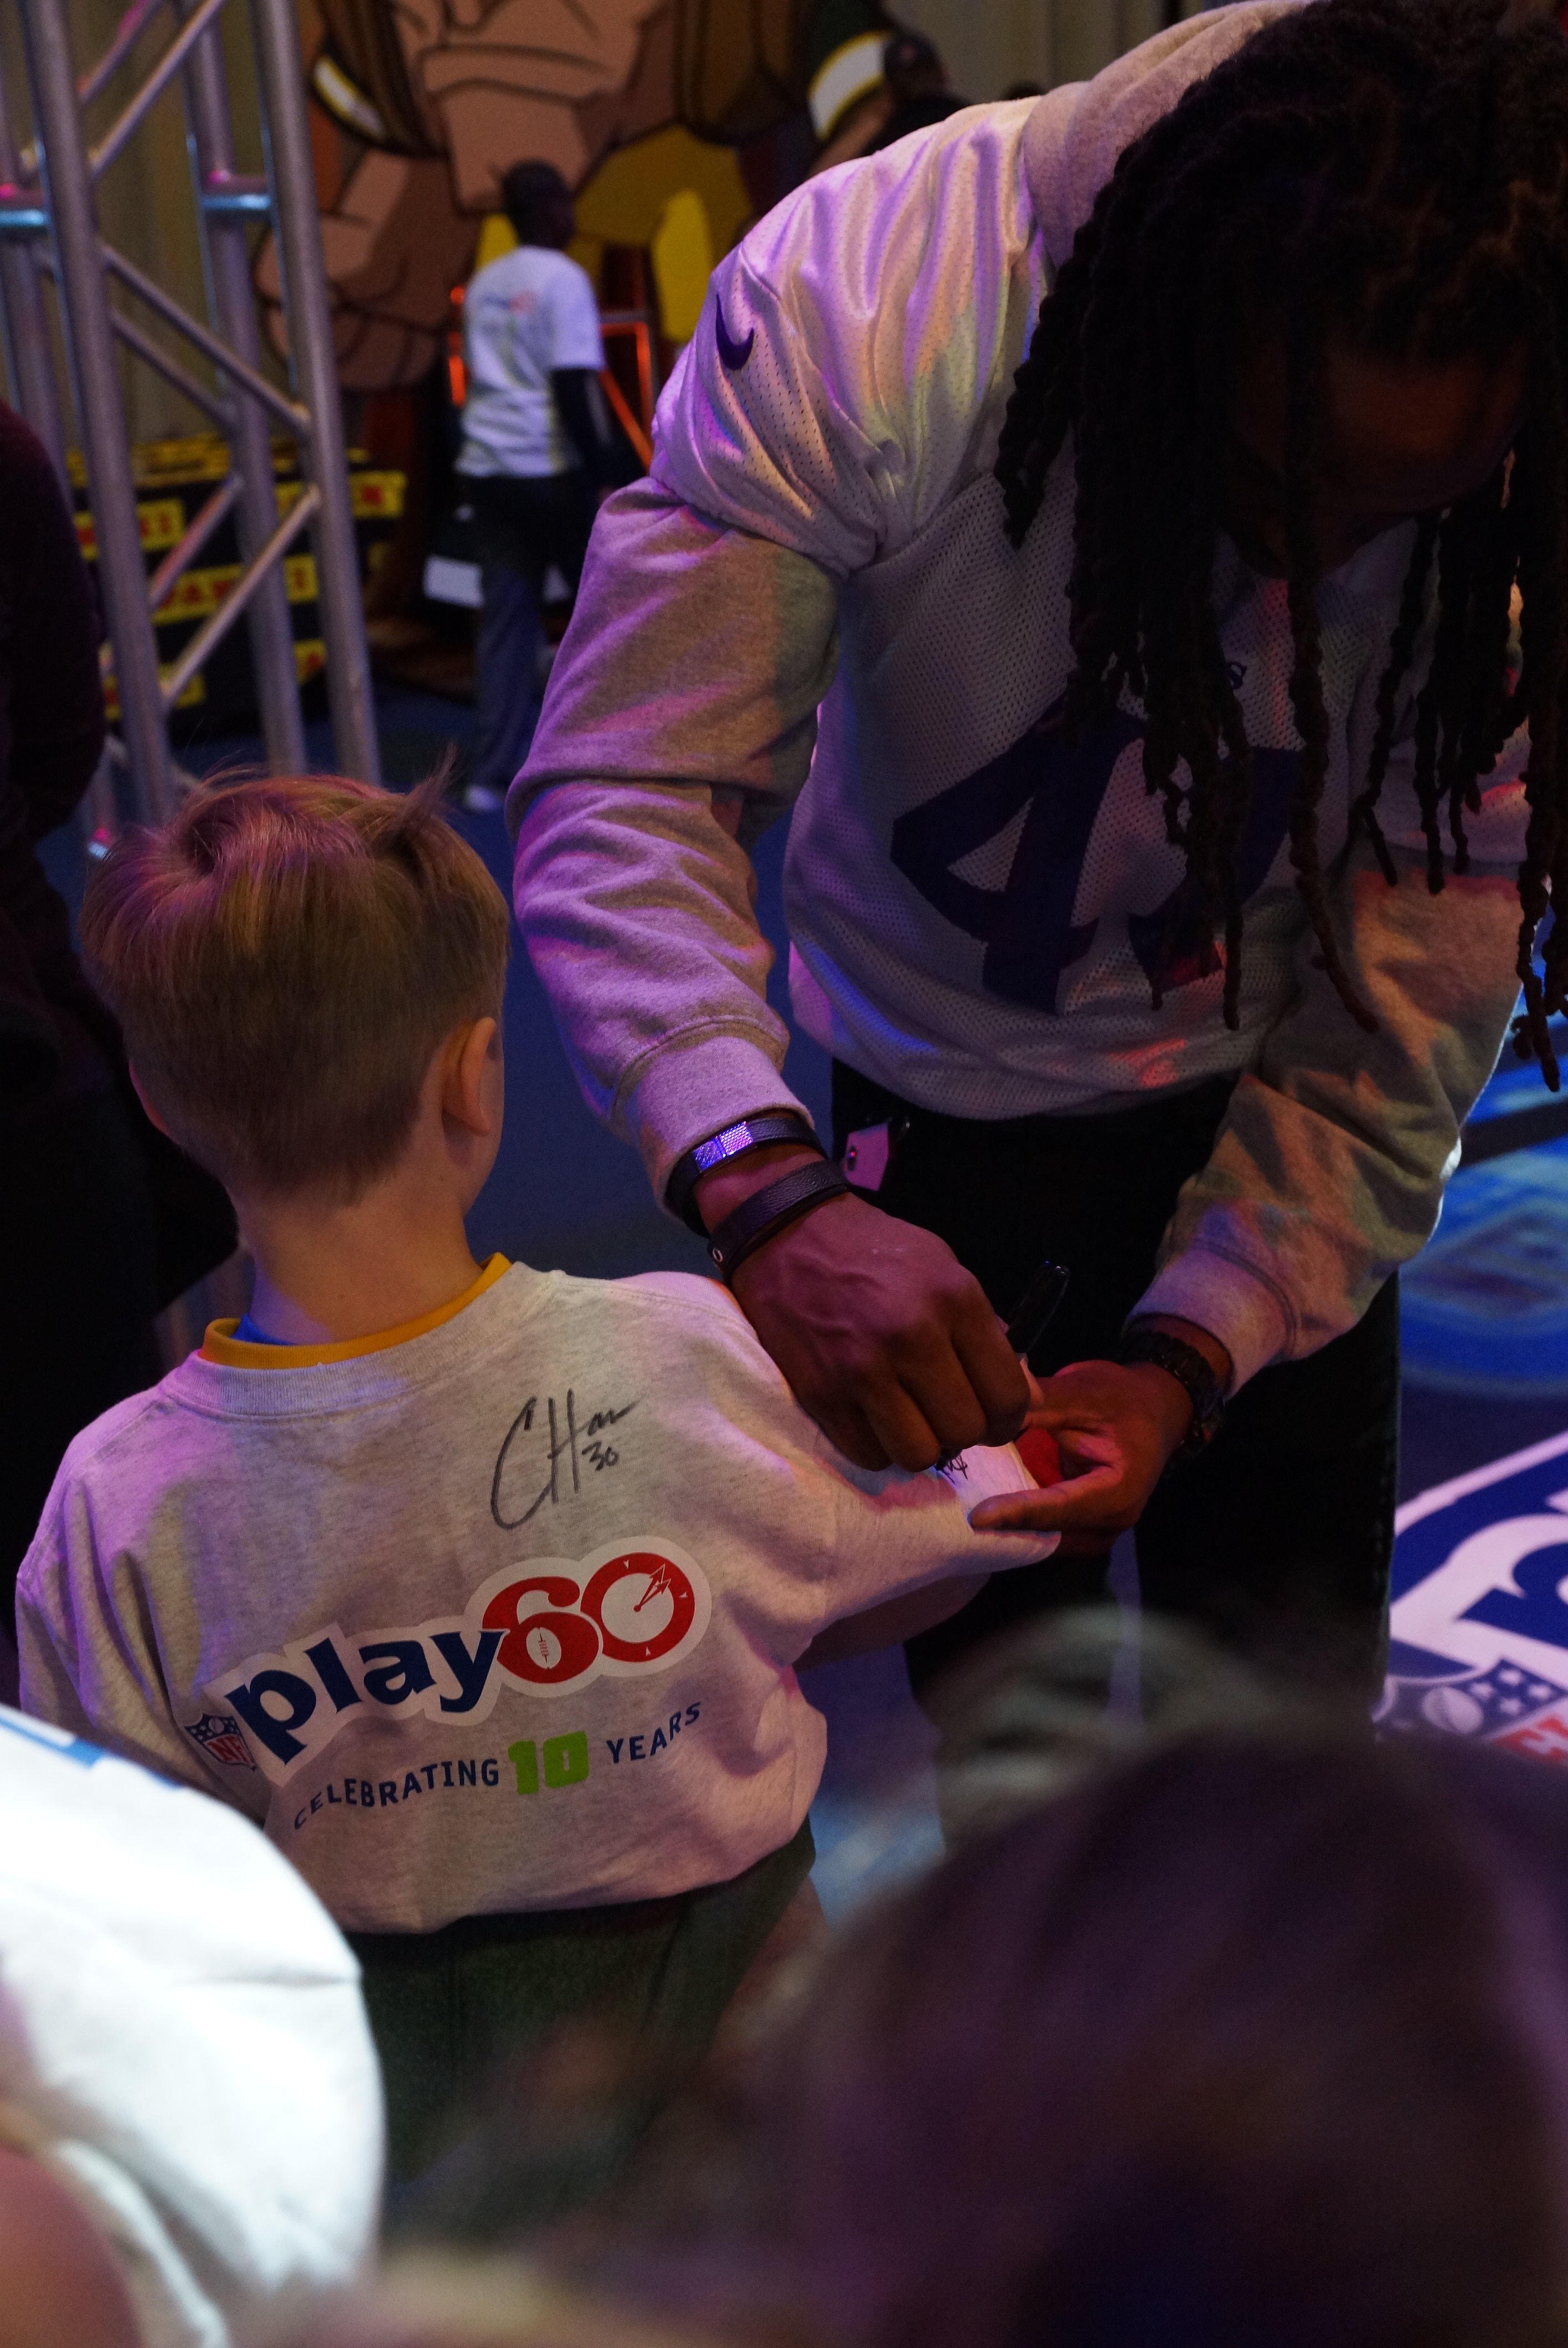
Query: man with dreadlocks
1154	885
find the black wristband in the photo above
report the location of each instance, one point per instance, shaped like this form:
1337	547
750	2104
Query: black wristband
746	1133
767	1211
1139	1343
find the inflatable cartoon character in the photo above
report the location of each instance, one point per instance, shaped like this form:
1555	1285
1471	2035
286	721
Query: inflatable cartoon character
675	122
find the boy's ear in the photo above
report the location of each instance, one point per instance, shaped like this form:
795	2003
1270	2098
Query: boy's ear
469	1095
141	1093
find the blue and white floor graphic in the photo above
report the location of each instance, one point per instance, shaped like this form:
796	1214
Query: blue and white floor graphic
1484	1307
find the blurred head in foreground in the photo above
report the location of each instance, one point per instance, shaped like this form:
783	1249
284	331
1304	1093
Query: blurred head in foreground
1254	2034
58	2277
1256	2039
436	2302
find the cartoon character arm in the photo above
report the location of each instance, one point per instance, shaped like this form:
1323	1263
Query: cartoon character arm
477	86
394	242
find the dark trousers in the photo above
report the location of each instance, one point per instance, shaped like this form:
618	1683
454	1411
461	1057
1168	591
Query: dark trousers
454	2013
521	528
79	1240
1277	1540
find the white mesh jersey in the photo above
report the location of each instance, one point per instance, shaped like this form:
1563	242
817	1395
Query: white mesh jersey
816	595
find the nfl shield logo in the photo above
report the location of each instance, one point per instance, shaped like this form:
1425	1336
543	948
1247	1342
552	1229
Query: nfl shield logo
221	1736
1479	1616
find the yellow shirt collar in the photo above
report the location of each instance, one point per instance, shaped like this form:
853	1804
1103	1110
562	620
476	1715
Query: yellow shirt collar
221	1345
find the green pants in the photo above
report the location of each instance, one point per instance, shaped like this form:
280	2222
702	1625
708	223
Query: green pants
454	2011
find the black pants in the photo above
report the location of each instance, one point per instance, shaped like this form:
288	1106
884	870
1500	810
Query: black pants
521	528
528	524
1277	1540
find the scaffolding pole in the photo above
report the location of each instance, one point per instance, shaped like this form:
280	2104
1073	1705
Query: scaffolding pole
246	406
100	411
32	364
232	304
312	363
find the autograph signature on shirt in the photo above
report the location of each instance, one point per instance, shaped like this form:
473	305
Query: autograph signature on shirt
583	1445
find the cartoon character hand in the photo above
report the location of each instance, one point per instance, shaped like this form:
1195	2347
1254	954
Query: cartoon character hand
394	243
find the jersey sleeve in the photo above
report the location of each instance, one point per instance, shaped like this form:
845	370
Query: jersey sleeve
823	409
853	354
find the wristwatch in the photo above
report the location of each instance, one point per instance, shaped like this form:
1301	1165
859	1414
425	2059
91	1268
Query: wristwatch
746	1133
1142	1342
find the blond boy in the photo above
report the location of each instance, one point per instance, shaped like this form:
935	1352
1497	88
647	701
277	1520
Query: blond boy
479	1587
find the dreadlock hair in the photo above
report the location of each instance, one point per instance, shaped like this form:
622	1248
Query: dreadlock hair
1400	166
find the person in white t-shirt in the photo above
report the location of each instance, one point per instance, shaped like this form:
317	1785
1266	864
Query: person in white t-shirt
536	449
482	1591
183	2050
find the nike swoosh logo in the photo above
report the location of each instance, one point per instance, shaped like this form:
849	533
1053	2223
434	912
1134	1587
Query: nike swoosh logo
734	354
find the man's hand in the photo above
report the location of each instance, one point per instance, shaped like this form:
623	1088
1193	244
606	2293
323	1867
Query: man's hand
887	1341
1116	1426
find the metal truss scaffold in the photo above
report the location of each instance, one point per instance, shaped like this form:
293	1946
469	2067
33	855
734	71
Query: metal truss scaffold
50	232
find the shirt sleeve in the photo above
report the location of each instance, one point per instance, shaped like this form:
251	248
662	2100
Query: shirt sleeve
898	1532
87	1646
574	322
825	1538
791	448
680	723
1328	1170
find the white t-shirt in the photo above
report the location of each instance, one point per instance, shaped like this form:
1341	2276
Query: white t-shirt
523	315
182	2039
495	1614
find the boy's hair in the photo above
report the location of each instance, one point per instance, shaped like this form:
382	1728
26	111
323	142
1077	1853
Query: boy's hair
1393	172
286	957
